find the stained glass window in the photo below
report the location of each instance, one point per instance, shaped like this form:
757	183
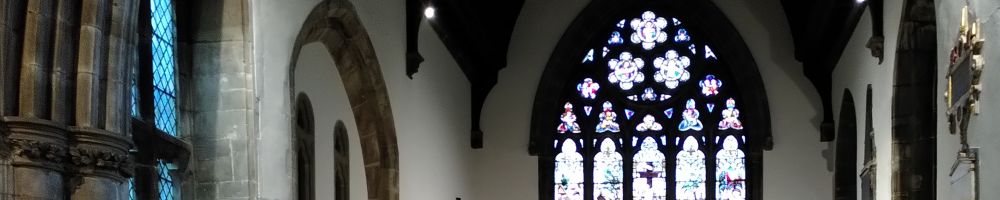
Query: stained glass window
569	173
164	65
657	119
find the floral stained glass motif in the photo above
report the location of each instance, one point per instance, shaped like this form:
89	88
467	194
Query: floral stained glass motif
671	69
682	36
690	115
649	30
626	70
730	116
588	88
648	124
568	120
649	94
616	38
649	171
569	173
690	171
608	117
669	112
730	171
710	86
608	172
629	114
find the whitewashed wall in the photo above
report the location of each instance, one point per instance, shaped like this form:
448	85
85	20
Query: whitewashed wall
855	71
317	77
432	110
982	127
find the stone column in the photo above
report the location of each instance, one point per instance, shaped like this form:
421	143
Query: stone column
38	150
63	102
99	149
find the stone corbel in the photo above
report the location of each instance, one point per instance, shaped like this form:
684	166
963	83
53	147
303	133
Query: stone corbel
877	41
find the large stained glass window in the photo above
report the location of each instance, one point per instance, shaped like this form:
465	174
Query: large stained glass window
650	114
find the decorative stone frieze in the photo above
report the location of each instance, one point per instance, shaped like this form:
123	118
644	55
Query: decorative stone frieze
36	143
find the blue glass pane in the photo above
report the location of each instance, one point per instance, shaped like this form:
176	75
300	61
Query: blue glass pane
131	189
164	66
167	189
135	96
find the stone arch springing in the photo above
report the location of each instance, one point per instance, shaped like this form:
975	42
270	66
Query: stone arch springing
341	162
846	159
335	24
305	148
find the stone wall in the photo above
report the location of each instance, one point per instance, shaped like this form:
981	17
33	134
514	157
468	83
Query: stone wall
982	126
217	76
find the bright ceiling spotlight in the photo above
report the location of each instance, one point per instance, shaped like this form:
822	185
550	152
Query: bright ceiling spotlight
429	12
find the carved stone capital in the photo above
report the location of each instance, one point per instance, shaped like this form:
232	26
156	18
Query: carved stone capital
36	143
101	162
97	152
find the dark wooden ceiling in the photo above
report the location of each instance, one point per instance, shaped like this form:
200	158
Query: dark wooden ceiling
477	34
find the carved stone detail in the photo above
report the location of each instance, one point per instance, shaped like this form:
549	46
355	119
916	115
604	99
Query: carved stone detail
49	153
101	162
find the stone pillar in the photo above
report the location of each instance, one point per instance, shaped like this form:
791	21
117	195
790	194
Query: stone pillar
100	143
38	149
914	104
63	101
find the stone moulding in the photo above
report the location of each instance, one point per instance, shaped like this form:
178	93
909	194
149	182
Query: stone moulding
36	143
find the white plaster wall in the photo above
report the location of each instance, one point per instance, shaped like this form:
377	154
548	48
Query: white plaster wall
855	70
794	170
317	77
982	127
431	111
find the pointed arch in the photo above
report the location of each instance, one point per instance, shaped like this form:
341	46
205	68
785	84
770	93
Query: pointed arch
335	24
622	117
845	180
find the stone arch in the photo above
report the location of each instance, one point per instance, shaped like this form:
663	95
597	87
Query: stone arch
846	158
305	148
335	24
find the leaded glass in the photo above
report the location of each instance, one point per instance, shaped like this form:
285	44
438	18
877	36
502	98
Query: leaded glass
568	120
649	171
730	171
730	117
569	173
608	117
626	70
690	171
166	184
164	66
608	176
629	124
691	114
671	69
131	189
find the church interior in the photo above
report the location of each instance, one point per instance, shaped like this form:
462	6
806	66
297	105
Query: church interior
490	100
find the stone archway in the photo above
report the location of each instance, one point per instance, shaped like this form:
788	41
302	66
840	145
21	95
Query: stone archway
335	24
